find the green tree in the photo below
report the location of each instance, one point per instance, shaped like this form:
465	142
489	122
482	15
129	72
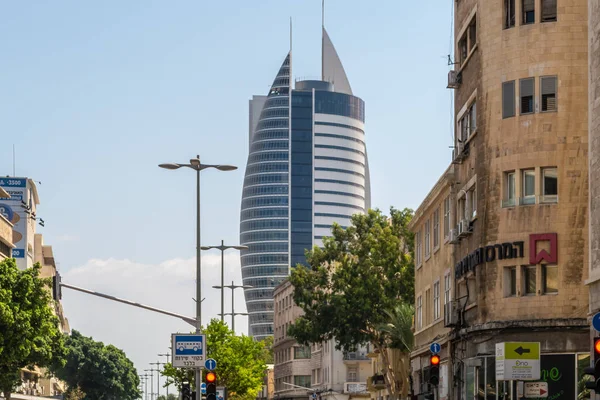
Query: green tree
101	372
29	333
171	396
348	285
241	362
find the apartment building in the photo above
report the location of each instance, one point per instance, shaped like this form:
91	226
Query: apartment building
520	190
435	238
319	369
6	230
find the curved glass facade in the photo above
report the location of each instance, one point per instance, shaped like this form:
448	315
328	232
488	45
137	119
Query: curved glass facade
264	212
306	170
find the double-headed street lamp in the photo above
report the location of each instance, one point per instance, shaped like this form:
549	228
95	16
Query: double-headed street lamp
222	247
197	166
167	379
233	313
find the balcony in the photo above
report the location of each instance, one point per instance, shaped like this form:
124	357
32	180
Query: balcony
355	387
356	356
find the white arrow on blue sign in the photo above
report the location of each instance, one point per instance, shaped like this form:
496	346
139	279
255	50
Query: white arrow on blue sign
596	322
210	364
203	387
435	348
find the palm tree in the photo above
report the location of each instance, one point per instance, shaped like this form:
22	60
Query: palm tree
398	341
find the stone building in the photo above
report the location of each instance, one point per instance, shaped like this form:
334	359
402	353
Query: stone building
435	238
594	154
520	195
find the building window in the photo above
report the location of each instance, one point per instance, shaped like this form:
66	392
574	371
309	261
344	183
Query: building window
436	301
528	190
529	276
548	10
418	248
447	216
472	118
436	229
427	238
527	90
447	288
473	200
528	12
473	33
463	48
302	380
301	353
467	124
508	99
550	278
509	14
510	281
548	92
419	312
352	375
509	188
427	307
549	185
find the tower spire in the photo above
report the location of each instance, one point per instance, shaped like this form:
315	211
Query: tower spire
322	40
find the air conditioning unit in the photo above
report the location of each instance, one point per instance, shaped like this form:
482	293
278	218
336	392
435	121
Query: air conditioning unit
451	314
454	79
464	228
453	236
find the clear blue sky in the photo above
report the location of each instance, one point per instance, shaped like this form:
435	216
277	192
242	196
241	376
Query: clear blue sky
96	94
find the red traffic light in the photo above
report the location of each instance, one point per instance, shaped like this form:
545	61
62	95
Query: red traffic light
434	360
597	346
211	377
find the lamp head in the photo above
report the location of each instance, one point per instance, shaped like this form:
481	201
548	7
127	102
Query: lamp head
170	166
226	167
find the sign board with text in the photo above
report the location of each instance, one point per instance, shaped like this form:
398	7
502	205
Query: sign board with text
536	390
518	361
188	350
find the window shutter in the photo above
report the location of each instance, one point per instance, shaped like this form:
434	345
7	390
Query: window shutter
548	90
508	99
527	87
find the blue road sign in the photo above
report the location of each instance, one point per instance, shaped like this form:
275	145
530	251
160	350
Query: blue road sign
435	348
203	387
210	364
596	322
189	345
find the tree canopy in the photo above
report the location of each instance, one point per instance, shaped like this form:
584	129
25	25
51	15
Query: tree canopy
360	272
29	332
241	362
357	289
100	372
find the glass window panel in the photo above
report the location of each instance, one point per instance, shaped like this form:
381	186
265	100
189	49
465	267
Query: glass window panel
490	372
550	278
548	10
530	279
510	185
550	183
528	183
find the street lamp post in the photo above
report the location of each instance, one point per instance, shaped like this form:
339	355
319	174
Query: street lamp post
157	378
166	379
197	166
222	247
233	313
151	381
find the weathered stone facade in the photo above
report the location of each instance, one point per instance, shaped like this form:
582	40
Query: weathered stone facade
520	187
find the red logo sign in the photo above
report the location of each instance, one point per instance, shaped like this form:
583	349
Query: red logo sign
536	257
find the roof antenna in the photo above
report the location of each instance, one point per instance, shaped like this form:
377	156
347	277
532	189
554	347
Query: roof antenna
14	161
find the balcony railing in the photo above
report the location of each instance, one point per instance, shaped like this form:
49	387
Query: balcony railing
356	356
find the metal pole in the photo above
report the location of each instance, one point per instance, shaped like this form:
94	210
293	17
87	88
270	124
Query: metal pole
232	307
157	380
198	276
222	280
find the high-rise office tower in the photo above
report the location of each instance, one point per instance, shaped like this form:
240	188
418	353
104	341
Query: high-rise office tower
307	168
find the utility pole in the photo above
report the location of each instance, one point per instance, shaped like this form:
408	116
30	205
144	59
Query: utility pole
151	382
157	377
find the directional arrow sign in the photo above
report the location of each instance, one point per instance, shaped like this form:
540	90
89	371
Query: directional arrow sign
522	351
536	389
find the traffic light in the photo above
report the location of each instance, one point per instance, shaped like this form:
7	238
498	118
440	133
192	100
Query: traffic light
186	392
594	369
211	386
434	370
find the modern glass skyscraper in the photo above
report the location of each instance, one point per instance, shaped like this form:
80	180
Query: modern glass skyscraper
307	168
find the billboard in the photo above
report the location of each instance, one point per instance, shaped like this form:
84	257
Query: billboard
14	209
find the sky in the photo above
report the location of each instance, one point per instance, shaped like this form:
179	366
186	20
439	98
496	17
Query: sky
96	94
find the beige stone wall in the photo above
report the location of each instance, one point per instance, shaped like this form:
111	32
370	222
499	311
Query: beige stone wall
6	230
549	139
594	153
